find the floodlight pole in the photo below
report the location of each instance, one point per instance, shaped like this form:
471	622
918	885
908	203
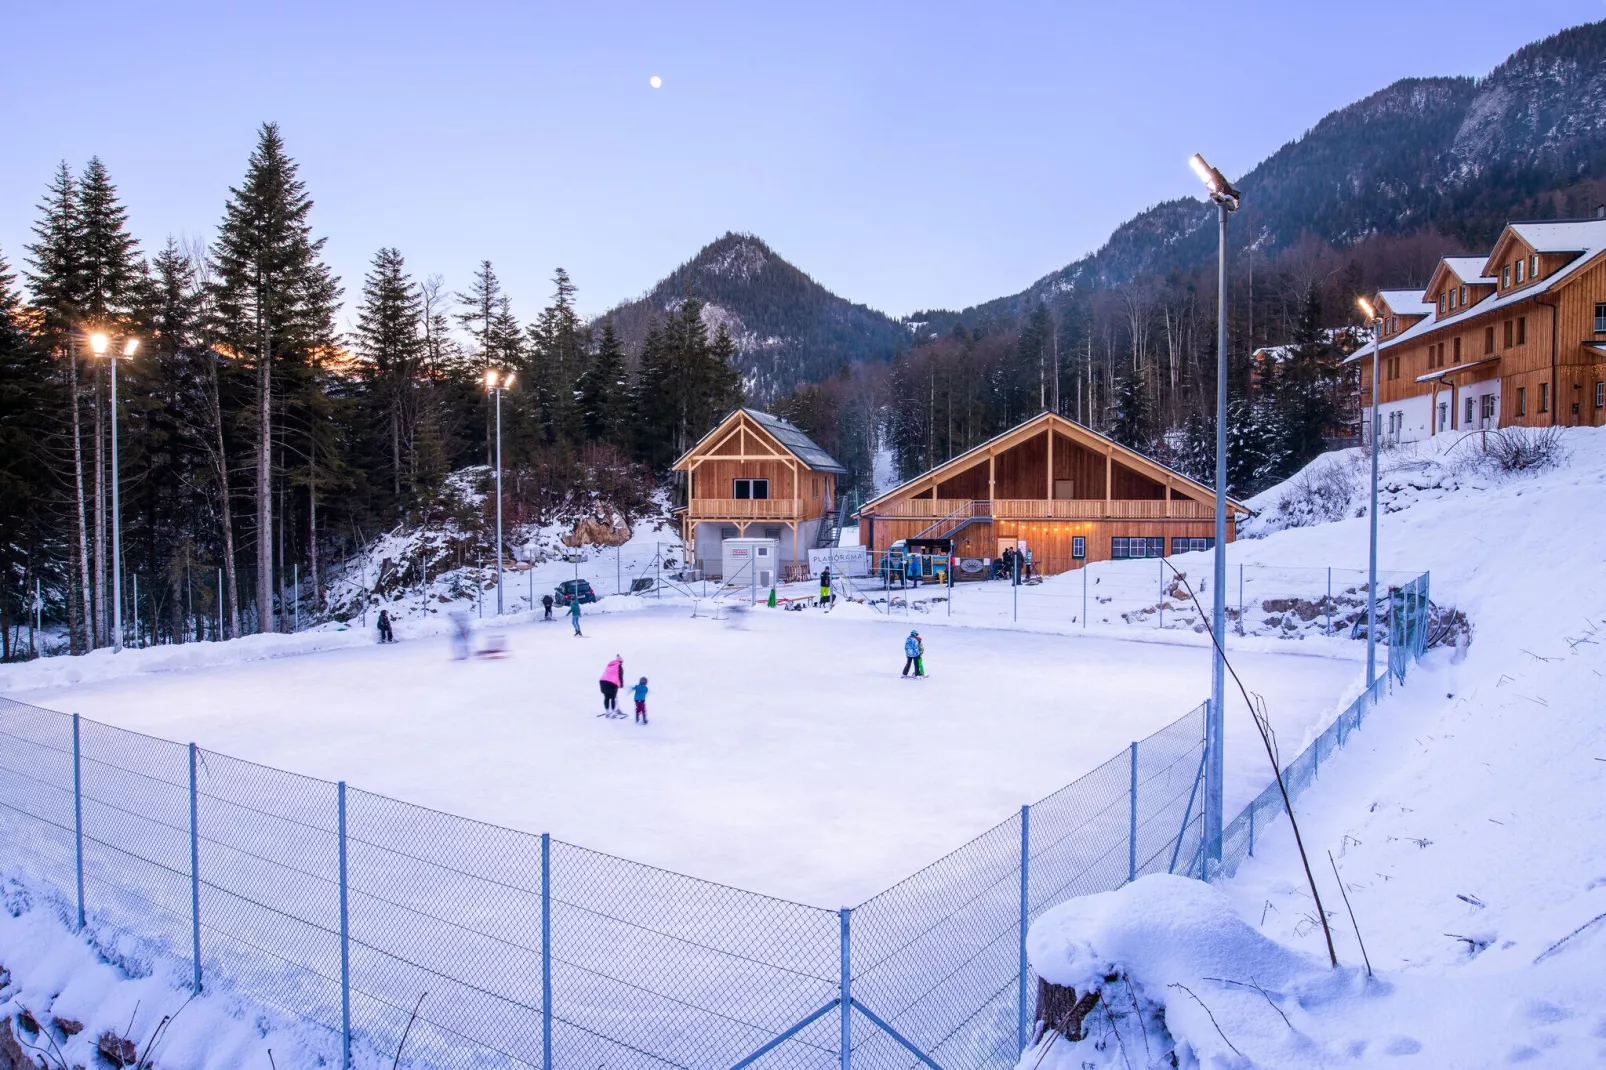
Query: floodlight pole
117	528
1226	199
498	393
1371	514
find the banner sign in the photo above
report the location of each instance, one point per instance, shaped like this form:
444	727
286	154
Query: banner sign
843	560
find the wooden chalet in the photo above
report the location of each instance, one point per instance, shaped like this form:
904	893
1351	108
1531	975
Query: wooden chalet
758	476
1056	488
1514	337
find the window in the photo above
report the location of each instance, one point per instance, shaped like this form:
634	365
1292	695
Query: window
1468	421
1443	303
1522	330
1544	397
1488	339
1533	266
1518	278
1123	548
746	489
1600	317
1505	277
1506	327
1463	296
1600	395
1444	414
1078	547
1522	401
1456	350
1486	409
1187	544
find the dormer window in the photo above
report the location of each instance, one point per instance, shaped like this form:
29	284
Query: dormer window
1442	303
1533	266
1520	266
1505	277
1463	296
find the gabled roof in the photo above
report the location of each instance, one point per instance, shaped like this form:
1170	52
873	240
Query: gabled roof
1406	302
1470	269
785	434
1070	429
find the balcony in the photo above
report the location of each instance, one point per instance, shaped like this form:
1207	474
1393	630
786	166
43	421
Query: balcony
746	509
1043	509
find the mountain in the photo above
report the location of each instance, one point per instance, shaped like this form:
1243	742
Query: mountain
1455	156
788	328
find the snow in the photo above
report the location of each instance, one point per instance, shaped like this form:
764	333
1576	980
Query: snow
785	754
1464	817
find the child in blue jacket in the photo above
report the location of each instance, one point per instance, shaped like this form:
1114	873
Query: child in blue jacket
640	693
914	654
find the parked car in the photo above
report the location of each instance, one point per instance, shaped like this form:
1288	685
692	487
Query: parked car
573	591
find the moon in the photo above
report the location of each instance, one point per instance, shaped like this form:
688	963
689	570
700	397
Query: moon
656	82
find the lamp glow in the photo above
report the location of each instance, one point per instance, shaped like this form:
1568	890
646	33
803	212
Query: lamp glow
98	342
131	347
1202	169
490	380
507	384
1366	307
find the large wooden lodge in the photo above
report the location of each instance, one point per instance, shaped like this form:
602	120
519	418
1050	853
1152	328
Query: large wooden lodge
1051	486
757	476
1517	337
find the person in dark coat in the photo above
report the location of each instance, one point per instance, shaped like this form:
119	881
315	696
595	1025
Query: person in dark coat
546	606
386	635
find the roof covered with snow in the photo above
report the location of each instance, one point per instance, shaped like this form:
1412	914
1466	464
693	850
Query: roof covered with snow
1570	236
1469	268
1407	302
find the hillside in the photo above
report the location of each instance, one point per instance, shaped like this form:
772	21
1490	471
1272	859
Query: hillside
788	328
1453	155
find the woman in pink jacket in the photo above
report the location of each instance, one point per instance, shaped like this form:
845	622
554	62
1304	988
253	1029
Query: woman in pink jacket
613	677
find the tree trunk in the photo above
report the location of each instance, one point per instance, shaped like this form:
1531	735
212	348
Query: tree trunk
87	642
312	524
264	490
1060	1009
229	597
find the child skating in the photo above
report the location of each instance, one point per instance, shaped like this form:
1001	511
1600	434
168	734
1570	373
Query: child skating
914	654
640	694
574	615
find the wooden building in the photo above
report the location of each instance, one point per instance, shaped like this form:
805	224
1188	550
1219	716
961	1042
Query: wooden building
1517	337
758	476
1056	488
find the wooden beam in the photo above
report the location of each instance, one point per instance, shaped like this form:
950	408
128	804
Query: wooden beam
992	471
1050	462
1109	470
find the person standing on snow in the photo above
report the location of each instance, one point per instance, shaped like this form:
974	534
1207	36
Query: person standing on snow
825	586
385	633
546	605
574	614
639	692
613	678
914	654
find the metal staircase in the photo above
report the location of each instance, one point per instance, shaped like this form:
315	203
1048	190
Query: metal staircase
831	525
956	521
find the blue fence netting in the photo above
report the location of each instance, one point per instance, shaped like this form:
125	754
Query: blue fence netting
342	907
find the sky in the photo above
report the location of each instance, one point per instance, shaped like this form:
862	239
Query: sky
907	156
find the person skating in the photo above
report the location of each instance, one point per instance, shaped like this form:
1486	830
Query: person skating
460	636
386	635
574	614
825	586
640	694
613	678
546	606
914	654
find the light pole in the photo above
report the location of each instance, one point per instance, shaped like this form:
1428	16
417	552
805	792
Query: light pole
495	382
1371	514
1226	198
101	345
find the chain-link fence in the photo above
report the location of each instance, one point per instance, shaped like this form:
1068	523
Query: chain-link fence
356	912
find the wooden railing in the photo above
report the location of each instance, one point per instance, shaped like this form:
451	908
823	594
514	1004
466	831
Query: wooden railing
1040	509
746	509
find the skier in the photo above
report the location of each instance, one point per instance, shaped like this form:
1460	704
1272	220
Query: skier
546	605
613	678
385	633
914	654
825	586
460	632
640	693
574	615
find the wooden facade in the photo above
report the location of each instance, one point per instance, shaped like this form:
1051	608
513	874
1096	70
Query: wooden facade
1514	338
1046	482
799	486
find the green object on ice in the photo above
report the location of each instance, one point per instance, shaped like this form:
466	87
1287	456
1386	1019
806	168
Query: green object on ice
771	602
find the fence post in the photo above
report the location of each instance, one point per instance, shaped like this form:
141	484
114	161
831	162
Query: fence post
1329	599
78	813
1251	830
345	937
195	870
845	990
1084	594
1132	828
1240	598
1025	887
546	951
1161	623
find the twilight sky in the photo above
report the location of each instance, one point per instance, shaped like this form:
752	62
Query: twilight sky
905	155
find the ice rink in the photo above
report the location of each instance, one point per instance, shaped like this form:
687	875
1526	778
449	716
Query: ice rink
785	754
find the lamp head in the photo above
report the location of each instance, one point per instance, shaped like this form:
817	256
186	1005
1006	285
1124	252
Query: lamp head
1221	191
507	384
131	347
490	380
1366	309
98	342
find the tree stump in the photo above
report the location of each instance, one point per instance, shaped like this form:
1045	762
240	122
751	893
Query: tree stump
1059	1008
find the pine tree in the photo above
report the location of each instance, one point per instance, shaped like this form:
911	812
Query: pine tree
275	302
1307	387
487	317
558	342
390	344
602	390
1132	421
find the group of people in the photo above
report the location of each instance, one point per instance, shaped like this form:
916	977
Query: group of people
613	678
574	611
1014	565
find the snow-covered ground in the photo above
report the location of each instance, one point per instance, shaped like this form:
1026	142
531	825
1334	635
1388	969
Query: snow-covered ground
785	753
1465	818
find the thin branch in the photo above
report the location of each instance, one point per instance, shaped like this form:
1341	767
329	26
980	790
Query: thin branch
410	1020
1271	754
1213	1021
1353	923
1256	986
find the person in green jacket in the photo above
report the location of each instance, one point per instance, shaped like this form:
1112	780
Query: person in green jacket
574	614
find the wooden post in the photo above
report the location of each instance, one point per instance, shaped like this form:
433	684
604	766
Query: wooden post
1109	477
1051	465
992	494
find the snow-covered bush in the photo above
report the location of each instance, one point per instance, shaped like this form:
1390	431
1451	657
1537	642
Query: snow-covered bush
1321	493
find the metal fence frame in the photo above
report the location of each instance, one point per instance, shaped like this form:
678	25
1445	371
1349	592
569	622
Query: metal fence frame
341	907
